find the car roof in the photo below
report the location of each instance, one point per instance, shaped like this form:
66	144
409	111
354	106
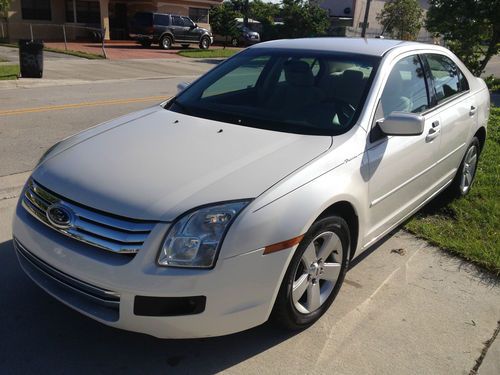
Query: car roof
365	46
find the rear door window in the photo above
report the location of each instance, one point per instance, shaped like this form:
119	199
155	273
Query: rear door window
162	19
448	79
177	21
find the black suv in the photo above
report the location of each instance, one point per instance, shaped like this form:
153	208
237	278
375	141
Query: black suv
167	29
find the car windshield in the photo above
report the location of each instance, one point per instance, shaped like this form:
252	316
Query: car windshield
305	92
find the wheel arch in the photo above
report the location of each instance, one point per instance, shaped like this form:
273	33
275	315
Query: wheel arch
168	34
481	136
348	212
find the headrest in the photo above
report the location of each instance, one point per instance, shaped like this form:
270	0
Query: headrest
352	76
298	73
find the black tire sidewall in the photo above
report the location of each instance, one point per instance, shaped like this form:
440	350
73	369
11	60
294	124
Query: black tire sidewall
284	312
162	42
207	43
455	186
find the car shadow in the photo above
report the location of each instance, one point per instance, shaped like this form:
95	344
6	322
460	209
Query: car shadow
40	334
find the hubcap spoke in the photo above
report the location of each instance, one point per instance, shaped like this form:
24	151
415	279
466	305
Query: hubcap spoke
331	271
313	297
331	242
299	288
309	256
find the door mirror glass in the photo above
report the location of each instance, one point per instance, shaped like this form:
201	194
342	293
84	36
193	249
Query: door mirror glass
402	123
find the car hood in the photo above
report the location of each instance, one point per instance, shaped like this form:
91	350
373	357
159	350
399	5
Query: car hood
157	164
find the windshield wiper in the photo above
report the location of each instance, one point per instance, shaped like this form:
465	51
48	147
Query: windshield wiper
175	102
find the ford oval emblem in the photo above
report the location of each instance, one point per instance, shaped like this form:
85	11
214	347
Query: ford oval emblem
60	216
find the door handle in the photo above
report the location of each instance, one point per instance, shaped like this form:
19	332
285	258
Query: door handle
433	132
472	111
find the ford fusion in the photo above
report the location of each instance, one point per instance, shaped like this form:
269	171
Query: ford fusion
246	196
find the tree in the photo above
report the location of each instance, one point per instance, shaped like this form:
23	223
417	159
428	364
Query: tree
223	21
471	29
263	12
4	11
303	18
402	19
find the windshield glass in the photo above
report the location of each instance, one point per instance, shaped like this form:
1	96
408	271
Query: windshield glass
303	92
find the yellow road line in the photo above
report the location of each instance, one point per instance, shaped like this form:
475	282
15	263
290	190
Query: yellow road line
20	111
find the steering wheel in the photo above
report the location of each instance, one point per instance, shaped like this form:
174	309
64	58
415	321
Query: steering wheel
345	111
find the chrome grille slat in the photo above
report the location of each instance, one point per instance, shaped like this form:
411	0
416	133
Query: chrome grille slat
106	231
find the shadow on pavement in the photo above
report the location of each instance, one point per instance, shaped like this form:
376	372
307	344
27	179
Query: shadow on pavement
41	335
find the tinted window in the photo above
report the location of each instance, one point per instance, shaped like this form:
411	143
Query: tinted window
405	89
177	21
289	91
448	79
187	22
162	19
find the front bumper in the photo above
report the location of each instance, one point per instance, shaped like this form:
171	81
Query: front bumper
239	292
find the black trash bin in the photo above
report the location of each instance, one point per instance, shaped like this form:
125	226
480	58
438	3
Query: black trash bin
31	58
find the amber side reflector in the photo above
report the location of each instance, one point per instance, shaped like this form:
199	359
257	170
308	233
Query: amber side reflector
282	245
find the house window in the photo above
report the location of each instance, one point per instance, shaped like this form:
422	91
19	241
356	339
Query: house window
86	11
198	14
36	10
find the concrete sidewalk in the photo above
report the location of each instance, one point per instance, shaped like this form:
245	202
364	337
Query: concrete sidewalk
406	308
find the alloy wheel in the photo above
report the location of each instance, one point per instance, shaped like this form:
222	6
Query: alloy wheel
469	169
317	273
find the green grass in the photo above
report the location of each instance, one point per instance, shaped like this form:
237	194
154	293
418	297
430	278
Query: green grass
10	71
469	227
203	54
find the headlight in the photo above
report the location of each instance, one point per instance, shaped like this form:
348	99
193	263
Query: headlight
195	239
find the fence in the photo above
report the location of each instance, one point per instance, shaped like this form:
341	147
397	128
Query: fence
63	34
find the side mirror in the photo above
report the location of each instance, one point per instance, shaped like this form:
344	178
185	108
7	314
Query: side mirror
402	123
194	25
182	86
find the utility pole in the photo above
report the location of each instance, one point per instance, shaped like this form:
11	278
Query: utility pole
365	22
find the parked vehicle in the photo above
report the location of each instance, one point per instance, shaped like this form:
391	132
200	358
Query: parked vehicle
246	196
168	29
246	37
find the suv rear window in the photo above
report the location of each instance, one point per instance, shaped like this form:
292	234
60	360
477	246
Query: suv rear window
162	19
143	19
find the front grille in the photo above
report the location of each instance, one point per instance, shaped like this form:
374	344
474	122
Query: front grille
96	228
102	303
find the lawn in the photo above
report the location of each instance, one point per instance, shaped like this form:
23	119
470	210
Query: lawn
10	71
208	53
469	227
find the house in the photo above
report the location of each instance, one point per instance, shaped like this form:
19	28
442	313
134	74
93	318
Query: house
347	16
44	19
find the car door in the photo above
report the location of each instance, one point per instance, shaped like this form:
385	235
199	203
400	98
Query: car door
456	109
179	29
161	23
192	33
401	173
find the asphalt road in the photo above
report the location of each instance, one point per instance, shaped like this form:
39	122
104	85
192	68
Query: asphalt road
405	308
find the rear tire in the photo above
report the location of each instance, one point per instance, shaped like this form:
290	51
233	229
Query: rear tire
145	43
466	172
166	42
204	42
235	42
315	274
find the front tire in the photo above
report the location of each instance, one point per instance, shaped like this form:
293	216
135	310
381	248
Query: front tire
466	172
205	43
315	274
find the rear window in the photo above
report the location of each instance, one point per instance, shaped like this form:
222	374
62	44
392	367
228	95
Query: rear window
162	19
143	19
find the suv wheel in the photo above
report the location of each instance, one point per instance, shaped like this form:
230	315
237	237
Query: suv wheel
234	42
145	43
166	42
205	42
